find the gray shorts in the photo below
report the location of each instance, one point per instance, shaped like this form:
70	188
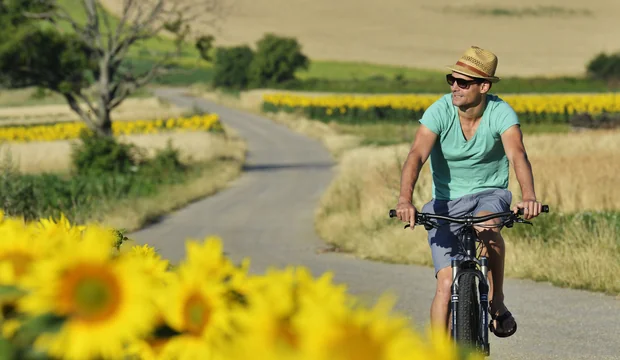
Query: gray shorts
444	241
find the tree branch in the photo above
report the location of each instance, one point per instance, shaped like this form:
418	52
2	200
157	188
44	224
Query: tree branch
130	84
73	104
108	26
92	24
87	101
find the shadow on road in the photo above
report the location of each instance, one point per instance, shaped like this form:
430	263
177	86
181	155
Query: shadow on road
275	167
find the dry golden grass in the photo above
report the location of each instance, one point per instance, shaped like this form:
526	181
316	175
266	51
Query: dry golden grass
55	156
130	109
573	172
429	35
224	157
576	171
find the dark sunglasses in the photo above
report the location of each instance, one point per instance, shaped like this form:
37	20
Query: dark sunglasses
462	83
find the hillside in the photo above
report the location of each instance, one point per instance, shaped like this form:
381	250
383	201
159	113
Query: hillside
549	37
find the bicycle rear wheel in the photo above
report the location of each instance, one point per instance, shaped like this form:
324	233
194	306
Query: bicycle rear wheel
468	310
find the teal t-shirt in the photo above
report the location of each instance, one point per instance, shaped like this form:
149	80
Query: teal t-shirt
462	167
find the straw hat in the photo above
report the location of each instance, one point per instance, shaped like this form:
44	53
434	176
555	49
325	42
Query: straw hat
477	63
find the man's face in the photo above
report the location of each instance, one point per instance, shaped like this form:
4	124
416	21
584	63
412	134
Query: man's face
469	92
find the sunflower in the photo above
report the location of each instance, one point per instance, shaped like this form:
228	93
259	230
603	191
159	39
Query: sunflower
18	250
152	262
197	310
359	333
106	300
58	231
269	329
208	258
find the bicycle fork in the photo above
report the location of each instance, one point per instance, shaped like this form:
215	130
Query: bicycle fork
483	288
454	301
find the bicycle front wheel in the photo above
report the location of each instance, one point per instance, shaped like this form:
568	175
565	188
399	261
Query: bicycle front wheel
468	311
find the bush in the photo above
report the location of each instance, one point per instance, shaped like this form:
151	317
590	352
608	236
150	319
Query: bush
276	61
93	191
165	163
602	121
605	67
98	154
231	66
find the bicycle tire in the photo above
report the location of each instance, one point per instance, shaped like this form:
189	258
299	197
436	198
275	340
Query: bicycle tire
468	309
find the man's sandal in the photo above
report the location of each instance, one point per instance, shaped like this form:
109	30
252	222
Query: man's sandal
500	319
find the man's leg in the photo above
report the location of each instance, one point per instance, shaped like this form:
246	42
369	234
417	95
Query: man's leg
495	250
441	301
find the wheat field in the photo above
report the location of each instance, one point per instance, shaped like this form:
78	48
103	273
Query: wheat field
530	37
130	109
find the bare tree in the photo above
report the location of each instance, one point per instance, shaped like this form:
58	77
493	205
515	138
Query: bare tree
109	40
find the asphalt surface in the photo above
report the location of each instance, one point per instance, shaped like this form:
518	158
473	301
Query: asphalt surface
267	214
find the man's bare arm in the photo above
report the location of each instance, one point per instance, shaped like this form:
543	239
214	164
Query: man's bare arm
512	140
515	151
419	153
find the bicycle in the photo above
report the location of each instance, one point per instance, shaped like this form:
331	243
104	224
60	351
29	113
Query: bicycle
470	322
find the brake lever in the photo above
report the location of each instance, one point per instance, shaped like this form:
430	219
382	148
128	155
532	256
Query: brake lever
427	225
523	221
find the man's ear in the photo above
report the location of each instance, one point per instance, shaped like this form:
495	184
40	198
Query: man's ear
485	87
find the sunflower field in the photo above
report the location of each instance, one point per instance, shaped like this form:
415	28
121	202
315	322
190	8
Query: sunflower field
538	108
71	130
84	292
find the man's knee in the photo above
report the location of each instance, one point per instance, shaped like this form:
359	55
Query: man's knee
444	283
490	228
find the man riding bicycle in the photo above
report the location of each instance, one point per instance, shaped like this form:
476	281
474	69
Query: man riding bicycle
471	137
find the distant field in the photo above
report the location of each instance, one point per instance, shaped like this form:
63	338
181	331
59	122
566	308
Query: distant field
535	37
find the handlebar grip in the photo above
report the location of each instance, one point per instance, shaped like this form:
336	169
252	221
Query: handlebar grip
545	208
392	213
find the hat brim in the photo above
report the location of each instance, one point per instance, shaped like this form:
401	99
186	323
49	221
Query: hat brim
465	71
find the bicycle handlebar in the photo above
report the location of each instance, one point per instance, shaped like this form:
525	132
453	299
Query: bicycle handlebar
423	217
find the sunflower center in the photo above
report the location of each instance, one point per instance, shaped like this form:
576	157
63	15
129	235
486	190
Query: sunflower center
196	314
357	343
18	260
90	292
286	333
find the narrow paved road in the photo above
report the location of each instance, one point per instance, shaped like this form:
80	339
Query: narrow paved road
267	214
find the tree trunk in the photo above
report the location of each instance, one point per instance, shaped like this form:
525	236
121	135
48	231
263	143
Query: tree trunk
104	120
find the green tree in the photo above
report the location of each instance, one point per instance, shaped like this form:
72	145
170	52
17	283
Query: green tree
89	66
231	66
276	60
605	67
204	44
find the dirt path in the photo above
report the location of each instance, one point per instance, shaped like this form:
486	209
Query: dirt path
268	215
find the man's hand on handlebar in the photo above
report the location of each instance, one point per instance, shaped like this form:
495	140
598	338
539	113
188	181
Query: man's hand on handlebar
531	208
406	212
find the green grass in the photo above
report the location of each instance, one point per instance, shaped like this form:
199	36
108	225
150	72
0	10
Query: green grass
340	70
383	80
553	226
